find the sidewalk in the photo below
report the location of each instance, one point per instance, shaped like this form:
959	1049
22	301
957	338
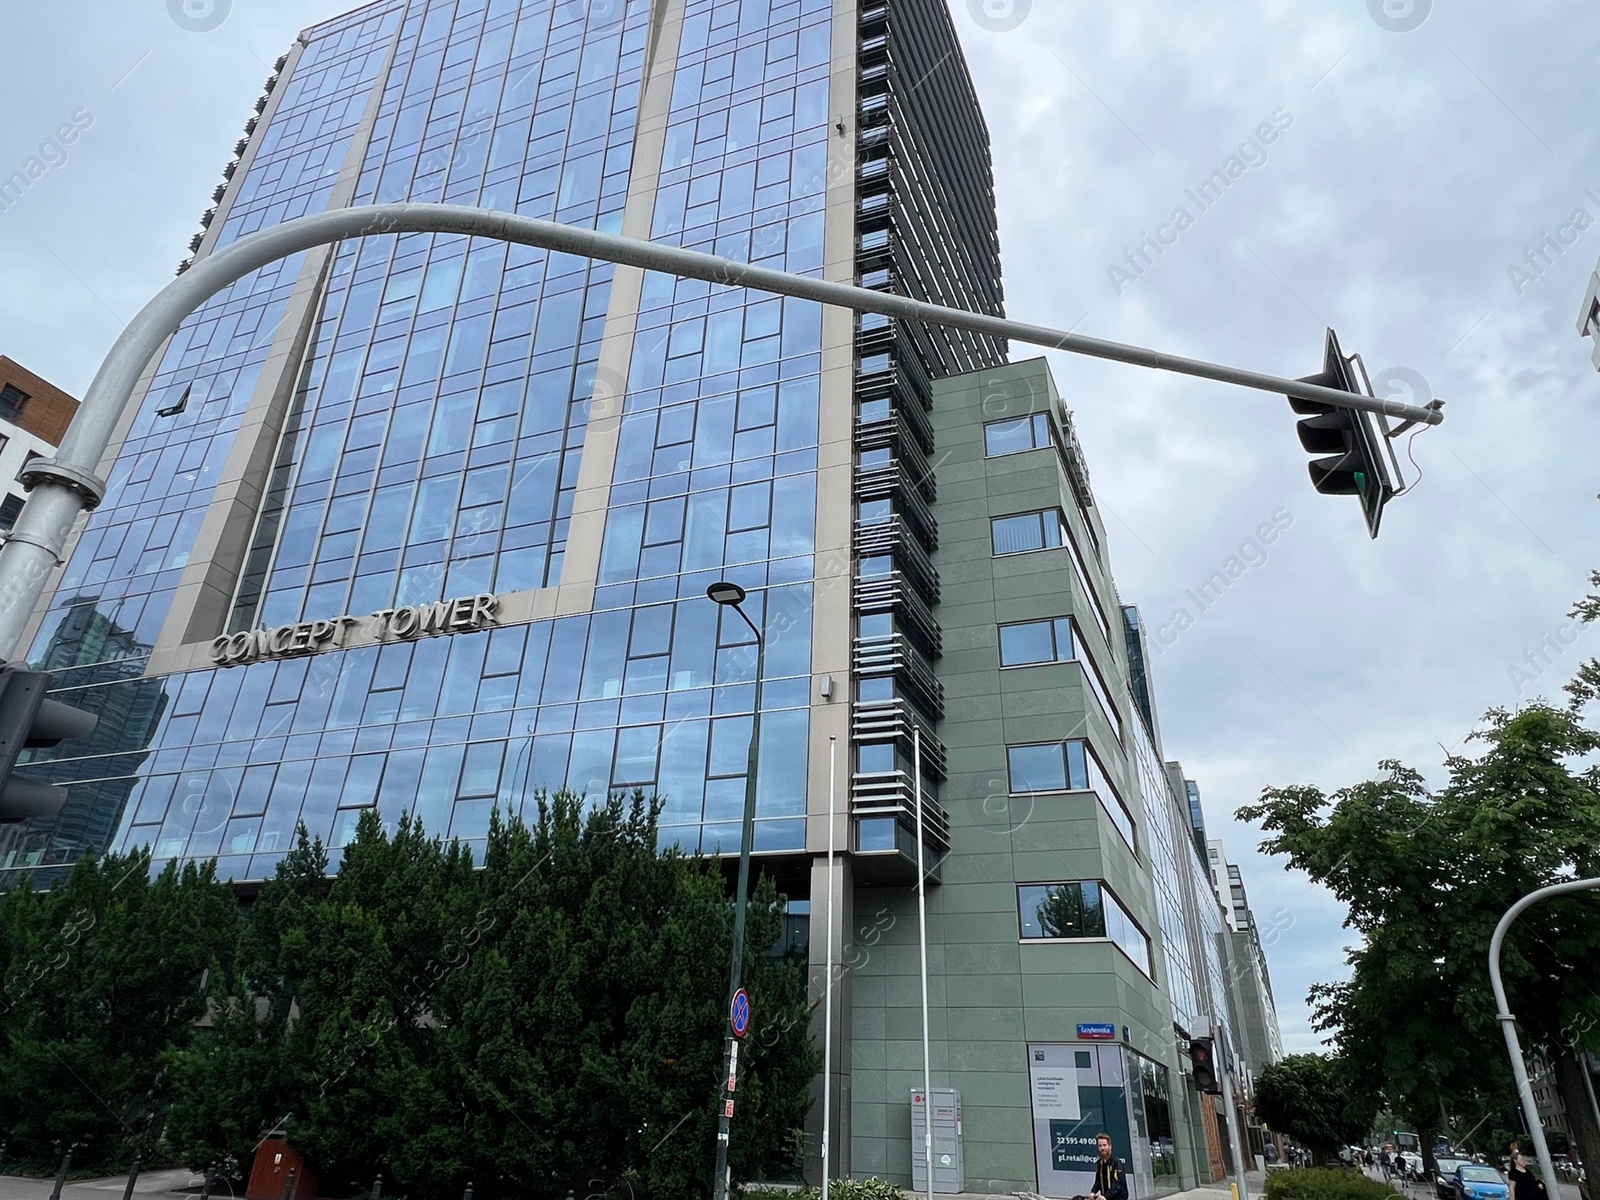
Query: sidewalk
151	1184
1256	1181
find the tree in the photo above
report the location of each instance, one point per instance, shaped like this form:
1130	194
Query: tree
1302	1095
1426	877
547	1019
103	973
240	1079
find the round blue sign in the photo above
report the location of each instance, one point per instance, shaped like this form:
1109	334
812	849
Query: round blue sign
739	1013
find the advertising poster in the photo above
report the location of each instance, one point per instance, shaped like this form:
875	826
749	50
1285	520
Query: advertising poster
1077	1092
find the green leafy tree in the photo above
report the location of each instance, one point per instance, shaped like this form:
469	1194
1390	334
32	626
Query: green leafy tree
103	974
1303	1096
551	1019
237	1081
1426	877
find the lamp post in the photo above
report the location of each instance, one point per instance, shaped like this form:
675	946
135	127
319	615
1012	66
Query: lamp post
731	595
1508	1022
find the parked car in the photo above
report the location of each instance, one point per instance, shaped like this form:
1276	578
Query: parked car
1473	1182
1444	1180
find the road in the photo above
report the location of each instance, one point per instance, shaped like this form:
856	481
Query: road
1417	1191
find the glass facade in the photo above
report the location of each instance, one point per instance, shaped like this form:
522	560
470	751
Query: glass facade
434	439
1167	881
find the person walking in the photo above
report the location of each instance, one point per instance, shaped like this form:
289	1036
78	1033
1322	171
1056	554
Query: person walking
1525	1185
1384	1163
1110	1180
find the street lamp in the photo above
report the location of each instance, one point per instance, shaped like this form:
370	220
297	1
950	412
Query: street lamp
731	595
1508	1022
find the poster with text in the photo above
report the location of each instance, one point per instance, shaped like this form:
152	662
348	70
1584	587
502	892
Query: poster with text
1077	1091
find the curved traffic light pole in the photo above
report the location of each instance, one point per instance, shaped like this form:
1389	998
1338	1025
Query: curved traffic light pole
63	487
1508	1023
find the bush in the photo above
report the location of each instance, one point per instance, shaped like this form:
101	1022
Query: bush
838	1189
1323	1183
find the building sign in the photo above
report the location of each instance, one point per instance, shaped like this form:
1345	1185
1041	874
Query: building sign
1097	1033
1055	1089
465	615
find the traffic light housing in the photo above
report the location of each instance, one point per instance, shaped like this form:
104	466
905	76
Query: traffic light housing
1351	445
29	721
1202	1058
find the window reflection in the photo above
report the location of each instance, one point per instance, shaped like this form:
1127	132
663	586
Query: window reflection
1083	909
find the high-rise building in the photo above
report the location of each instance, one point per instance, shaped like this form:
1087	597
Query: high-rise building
1255	1015
425	523
34	415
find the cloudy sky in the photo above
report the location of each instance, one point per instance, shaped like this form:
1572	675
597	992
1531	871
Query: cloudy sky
1414	151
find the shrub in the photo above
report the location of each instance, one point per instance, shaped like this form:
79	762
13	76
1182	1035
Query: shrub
838	1189
1323	1183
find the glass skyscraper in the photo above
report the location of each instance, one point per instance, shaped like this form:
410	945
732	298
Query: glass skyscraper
424	523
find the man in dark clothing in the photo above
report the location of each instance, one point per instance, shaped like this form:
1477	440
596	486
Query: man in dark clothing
1110	1181
1525	1185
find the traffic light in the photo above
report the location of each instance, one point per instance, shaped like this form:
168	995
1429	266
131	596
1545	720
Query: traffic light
1202	1059
28	720
1351	443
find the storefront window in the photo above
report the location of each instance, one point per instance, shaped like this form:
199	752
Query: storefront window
1156	1100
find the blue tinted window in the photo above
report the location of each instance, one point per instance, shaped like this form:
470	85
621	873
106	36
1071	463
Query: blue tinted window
1027	643
1027	531
1039	768
1023	433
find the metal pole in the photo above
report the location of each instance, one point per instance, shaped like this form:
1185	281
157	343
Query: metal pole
1588	1084
827	983
1234	1132
922	946
1508	1023
61	1175
133	1177
288	1185
63	487
730	1052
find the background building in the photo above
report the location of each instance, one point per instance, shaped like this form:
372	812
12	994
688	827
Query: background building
33	418
1255	1016
338	446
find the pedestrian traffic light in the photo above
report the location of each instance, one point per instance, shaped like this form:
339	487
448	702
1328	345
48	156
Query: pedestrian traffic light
1350	444
28	720
1202	1059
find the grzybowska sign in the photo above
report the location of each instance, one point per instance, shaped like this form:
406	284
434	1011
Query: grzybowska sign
465	615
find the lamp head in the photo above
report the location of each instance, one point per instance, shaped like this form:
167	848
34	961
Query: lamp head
724	592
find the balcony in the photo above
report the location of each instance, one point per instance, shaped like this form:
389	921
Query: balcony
892	482
895	539
897	656
894	593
